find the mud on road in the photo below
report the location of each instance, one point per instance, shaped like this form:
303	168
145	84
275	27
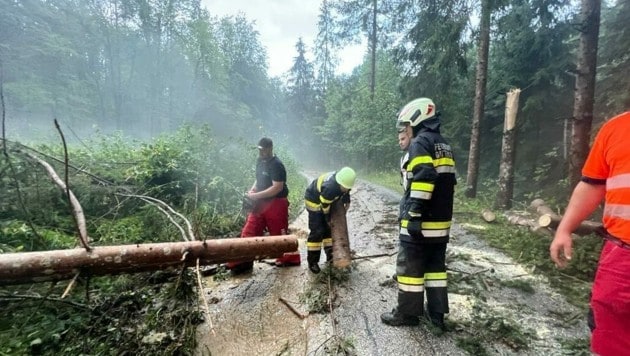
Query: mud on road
490	313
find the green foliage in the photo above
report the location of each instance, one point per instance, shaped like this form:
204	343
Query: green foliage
318	295
17	236
135	314
360	129
612	94
578	347
338	346
532	249
489	328
521	285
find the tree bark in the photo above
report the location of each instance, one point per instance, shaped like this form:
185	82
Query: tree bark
508	150
339	231
584	89
480	97
373	41
31	267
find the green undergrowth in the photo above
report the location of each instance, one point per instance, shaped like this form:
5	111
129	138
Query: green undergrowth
144	314
130	192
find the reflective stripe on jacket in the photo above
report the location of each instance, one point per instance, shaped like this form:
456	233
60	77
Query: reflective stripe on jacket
429	195
322	192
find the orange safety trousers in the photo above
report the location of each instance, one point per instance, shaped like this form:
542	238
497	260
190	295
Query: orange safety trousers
274	217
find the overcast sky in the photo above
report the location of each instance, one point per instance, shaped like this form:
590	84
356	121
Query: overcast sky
280	24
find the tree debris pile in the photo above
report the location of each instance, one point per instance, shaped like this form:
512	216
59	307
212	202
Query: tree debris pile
143	314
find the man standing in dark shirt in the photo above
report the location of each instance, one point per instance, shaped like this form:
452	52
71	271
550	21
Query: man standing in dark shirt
271	206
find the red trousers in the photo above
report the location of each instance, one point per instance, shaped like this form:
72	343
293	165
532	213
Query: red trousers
272	216
610	302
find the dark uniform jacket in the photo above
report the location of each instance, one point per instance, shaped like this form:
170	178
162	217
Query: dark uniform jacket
323	191
427	206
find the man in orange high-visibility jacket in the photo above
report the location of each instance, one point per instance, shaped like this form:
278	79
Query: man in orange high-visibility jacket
606	174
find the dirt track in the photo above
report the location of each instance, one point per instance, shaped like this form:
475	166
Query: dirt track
248	317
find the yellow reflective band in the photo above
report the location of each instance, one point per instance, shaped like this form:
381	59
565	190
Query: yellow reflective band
312	206
435	275
320	180
327	242
411	289
324	200
314	246
422	186
444	162
326	209
403	223
410	280
436	225
418	160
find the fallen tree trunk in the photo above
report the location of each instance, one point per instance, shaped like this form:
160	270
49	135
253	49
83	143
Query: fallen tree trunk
585	228
339	232
31	267
550	220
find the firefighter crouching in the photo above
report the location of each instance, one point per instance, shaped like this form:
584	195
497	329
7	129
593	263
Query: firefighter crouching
318	198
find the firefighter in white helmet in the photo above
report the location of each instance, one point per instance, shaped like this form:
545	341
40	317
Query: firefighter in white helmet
425	219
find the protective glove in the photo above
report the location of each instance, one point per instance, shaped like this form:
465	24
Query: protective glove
414	226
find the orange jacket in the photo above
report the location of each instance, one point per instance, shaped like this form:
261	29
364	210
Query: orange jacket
609	163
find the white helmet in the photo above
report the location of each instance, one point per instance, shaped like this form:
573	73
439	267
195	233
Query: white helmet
415	112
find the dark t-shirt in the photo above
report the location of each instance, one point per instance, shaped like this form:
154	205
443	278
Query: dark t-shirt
268	170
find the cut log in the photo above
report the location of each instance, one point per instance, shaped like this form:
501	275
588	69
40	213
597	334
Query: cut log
536	203
339	231
31	267
540	207
550	220
532	224
488	216
585	228
516	219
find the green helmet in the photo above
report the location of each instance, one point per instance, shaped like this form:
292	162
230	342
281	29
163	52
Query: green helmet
415	112
346	177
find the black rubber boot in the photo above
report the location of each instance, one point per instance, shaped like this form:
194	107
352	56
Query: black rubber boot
395	318
436	319
314	267
242	268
